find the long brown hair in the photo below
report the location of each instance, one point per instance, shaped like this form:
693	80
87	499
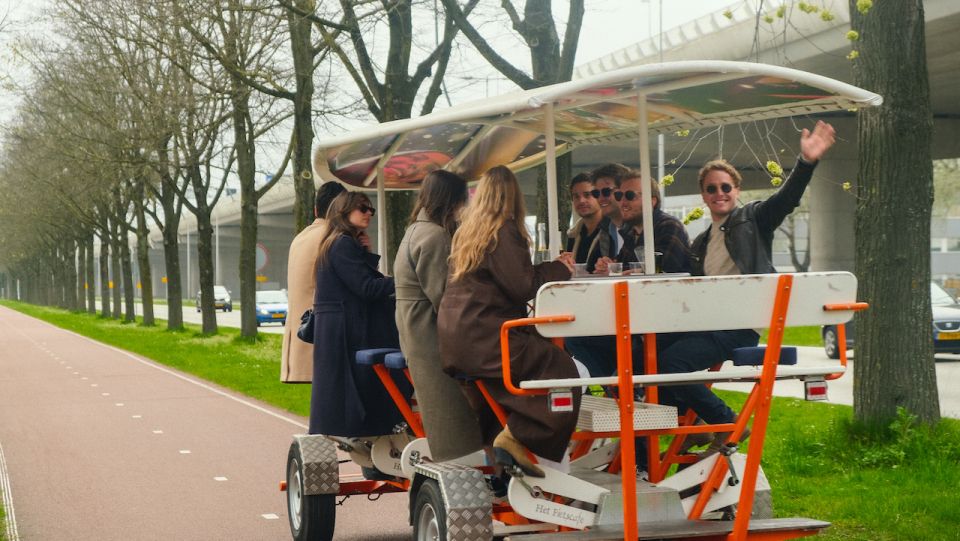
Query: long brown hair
338	221
441	196
497	201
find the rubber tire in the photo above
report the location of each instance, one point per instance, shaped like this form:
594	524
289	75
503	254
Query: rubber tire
317	516
198	308
429	513
831	345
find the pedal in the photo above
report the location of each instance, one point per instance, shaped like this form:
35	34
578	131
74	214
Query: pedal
728	450
537	501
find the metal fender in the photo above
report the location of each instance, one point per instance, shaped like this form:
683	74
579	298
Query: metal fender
466	497
321	471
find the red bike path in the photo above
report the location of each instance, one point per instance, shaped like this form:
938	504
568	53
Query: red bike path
97	443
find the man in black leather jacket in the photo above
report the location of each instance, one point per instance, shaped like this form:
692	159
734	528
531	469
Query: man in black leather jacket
738	242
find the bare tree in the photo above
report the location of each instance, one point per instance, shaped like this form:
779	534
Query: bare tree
895	363
551	61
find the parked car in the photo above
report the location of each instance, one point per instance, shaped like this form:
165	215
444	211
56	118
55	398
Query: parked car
946	326
271	306
221	299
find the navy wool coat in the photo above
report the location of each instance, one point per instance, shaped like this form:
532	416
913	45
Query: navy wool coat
353	309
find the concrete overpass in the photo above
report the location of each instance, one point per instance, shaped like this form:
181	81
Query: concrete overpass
807	43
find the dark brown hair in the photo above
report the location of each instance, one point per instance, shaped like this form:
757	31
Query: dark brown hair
654	185
338	220
615	171
441	195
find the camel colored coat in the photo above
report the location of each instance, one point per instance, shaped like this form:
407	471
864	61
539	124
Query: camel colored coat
420	271
296	362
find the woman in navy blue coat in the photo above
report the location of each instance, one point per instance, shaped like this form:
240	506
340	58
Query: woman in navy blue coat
354	309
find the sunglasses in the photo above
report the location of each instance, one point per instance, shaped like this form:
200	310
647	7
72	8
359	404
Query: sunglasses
367	208
604	192
629	194
726	188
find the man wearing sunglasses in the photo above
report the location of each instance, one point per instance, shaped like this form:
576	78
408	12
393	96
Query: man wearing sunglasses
738	242
669	236
593	235
606	181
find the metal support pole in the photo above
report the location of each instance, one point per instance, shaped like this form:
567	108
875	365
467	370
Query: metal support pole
553	220
647	203
381	221
661	166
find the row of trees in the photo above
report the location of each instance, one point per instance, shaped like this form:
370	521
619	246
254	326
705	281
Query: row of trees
139	110
143	109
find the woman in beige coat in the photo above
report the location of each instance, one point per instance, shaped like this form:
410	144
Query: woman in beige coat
420	271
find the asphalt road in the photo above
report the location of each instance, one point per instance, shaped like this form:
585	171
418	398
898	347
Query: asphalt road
99	444
840	391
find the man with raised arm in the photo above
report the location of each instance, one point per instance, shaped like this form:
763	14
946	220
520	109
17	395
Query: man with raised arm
739	241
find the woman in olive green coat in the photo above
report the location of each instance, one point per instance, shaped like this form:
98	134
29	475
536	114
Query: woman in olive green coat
420	271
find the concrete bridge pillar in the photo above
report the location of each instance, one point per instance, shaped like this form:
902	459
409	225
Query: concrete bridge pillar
832	214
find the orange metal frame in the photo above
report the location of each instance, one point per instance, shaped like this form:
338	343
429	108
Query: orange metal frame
757	406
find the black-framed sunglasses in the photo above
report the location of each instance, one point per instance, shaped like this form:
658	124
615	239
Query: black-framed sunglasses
367	208
725	188
602	191
629	194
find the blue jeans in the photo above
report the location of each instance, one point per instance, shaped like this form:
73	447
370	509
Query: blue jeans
698	351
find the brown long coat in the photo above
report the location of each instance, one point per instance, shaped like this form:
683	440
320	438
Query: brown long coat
296	361
471	313
420	271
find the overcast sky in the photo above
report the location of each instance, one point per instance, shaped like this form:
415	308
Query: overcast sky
608	25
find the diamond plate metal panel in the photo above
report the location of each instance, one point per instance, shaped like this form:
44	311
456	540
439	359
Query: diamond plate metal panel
467	500
321	470
469	524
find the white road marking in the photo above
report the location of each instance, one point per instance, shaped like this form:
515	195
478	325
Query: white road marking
136	416
119	404
219	478
104	394
270	516
94	384
184	451
5	491
158	431
84	378
198	383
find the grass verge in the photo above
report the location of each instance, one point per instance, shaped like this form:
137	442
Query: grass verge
894	484
798	336
226	358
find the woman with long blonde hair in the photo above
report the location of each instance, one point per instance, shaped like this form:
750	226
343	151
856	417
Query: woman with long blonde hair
491	280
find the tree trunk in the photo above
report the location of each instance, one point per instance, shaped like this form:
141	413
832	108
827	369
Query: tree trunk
105	274
564	205
895	364
115	270
301	46
143	259
69	265
81	270
205	264
126	271
91	281
246	171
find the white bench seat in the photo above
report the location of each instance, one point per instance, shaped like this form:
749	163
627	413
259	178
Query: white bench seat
736	374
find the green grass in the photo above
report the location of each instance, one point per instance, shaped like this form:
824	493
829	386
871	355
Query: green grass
799	336
250	367
3	523
894	484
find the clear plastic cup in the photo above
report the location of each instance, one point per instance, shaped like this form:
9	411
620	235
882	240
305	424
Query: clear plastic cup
636	267
580	270
616	269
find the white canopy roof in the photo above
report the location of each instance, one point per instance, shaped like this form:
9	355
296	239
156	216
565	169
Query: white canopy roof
509	129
